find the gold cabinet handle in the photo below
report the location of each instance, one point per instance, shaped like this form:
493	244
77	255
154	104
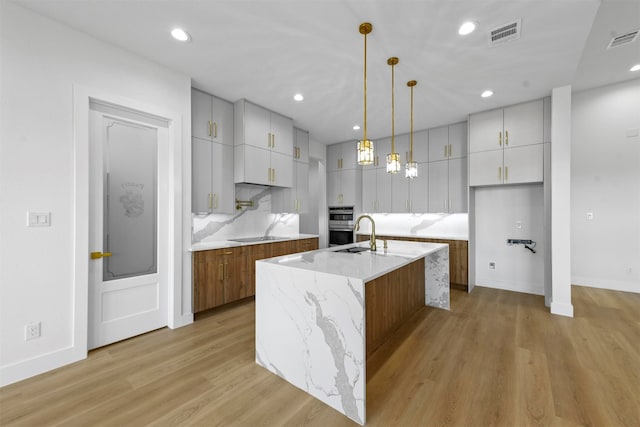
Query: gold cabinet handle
226	271
98	255
269	175
227	253
273	140
500	138
210	128
221	271
215	129
215	201
500	174
449	150
506	173
274	174
506	137
210	201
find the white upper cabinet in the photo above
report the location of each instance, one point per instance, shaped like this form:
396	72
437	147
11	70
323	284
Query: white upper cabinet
438	143
507	145
301	145
457	141
296	198
513	126
523	124
342	156
211	118
263	146
212	189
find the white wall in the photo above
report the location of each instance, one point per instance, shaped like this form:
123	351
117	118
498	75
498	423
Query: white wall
41	63
605	180
496	211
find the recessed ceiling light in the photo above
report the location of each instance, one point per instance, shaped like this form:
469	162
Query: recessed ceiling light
635	68
298	97
467	28
356	127
180	35
486	94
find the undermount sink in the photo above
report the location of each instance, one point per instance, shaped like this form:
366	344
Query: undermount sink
353	250
257	239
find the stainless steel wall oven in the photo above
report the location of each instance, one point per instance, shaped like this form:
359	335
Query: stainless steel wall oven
341	220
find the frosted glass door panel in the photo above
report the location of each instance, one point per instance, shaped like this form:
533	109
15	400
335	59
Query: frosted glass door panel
130	201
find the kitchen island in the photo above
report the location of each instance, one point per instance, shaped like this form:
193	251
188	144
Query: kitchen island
319	314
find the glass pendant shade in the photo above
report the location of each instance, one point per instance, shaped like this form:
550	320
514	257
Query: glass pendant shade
411	170
365	152
393	163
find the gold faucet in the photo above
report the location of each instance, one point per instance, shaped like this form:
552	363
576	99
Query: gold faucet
372	238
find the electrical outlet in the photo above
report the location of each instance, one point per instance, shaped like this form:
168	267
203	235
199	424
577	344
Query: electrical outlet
31	331
589	216
492	265
518	224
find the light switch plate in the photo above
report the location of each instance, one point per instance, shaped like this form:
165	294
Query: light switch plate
38	219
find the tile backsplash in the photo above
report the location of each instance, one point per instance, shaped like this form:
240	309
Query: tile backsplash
257	220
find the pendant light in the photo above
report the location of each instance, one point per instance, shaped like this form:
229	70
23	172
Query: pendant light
393	158
365	146
411	167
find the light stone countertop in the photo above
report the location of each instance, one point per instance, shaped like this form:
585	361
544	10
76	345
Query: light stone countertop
434	236
204	246
362	265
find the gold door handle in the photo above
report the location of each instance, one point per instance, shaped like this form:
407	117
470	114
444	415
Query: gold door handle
273	140
506	173
449	150
210	128
274	174
215	201
269	175
221	271
500	138
506	137
215	129
227	253
226	271
210	201
98	255
500	174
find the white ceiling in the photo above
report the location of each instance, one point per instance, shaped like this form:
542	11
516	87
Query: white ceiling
267	50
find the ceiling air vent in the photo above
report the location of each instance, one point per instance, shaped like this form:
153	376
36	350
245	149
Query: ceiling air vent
505	33
623	39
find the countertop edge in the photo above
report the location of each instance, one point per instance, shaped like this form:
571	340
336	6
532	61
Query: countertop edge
441	237
196	247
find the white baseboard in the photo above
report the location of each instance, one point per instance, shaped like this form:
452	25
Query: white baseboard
562	309
180	321
24	369
527	288
614	285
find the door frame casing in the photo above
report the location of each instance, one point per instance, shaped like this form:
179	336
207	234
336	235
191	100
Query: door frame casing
81	108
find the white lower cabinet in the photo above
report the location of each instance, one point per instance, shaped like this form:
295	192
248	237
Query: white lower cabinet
509	166
212	177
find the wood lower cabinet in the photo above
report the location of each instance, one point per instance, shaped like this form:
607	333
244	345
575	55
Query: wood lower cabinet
225	275
458	256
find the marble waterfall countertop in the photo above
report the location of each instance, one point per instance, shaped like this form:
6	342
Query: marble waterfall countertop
204	246
362	265
311	321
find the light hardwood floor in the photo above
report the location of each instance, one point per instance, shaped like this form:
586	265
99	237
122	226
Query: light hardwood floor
496	359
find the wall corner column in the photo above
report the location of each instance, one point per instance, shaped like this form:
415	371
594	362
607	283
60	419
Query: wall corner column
561	201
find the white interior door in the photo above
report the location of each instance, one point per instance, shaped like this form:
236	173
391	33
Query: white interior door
128	233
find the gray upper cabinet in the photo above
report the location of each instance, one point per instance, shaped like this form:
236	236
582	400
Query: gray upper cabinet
263	141
211	118
212	189
506	145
